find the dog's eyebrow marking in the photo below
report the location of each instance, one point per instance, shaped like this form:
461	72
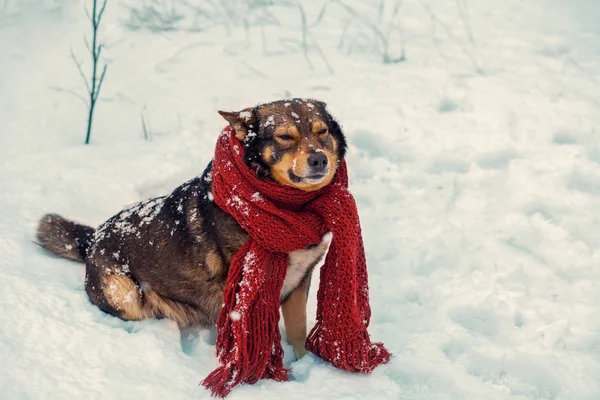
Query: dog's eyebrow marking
267	154
317	126
287	129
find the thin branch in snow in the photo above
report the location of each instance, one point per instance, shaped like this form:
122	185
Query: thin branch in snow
87	13
464	16
71	92
78	65
146	124
94	84
100	81
304	35
436	19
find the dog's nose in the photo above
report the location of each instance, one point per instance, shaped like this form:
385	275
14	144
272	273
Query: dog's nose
317	162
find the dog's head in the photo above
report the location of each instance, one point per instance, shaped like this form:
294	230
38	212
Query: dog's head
294	142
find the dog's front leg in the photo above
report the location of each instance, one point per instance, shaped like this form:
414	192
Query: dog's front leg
294	318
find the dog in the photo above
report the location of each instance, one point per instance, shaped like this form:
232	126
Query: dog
168	257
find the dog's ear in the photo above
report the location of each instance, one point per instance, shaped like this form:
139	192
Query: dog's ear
241	121
335	129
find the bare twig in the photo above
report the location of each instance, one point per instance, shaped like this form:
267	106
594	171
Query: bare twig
381	39
87	45
463	10
304	35
393	27
78	65
71	92
94	84
174	56
380	10
145	124
87	13
100	81
375	36
345	29
263	38
256	72
100	13
329	67
570	61
436	19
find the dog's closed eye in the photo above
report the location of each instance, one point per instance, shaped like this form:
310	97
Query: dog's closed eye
285	138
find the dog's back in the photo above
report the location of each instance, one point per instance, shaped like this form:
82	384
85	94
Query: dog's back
164	257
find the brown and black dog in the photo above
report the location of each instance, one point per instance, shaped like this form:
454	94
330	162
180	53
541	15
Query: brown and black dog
168	257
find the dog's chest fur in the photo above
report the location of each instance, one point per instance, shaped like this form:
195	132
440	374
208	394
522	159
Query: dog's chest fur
301	262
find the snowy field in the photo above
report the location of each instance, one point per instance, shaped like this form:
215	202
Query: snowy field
474	131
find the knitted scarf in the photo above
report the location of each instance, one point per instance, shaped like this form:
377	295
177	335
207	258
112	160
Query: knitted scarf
281	219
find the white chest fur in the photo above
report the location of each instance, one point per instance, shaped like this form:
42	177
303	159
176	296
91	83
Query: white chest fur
301	260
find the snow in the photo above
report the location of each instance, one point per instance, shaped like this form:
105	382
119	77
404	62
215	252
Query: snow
473	156
235	315
257	197
245	115
236	202
270	121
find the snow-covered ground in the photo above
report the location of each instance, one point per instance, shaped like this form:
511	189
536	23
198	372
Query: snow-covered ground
475	162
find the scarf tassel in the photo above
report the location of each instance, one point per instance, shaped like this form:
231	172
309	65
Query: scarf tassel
350	351
223	379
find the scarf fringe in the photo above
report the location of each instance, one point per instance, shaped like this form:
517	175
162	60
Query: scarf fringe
221	380
350	351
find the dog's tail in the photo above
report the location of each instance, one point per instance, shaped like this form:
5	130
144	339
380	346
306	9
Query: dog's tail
65	238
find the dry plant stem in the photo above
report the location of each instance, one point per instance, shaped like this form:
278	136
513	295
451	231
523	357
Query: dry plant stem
95	83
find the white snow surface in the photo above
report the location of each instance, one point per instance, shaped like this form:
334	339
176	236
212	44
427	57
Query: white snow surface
474	160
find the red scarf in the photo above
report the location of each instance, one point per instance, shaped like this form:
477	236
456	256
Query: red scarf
281	219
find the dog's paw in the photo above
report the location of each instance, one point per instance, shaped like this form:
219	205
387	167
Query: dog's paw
299	350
